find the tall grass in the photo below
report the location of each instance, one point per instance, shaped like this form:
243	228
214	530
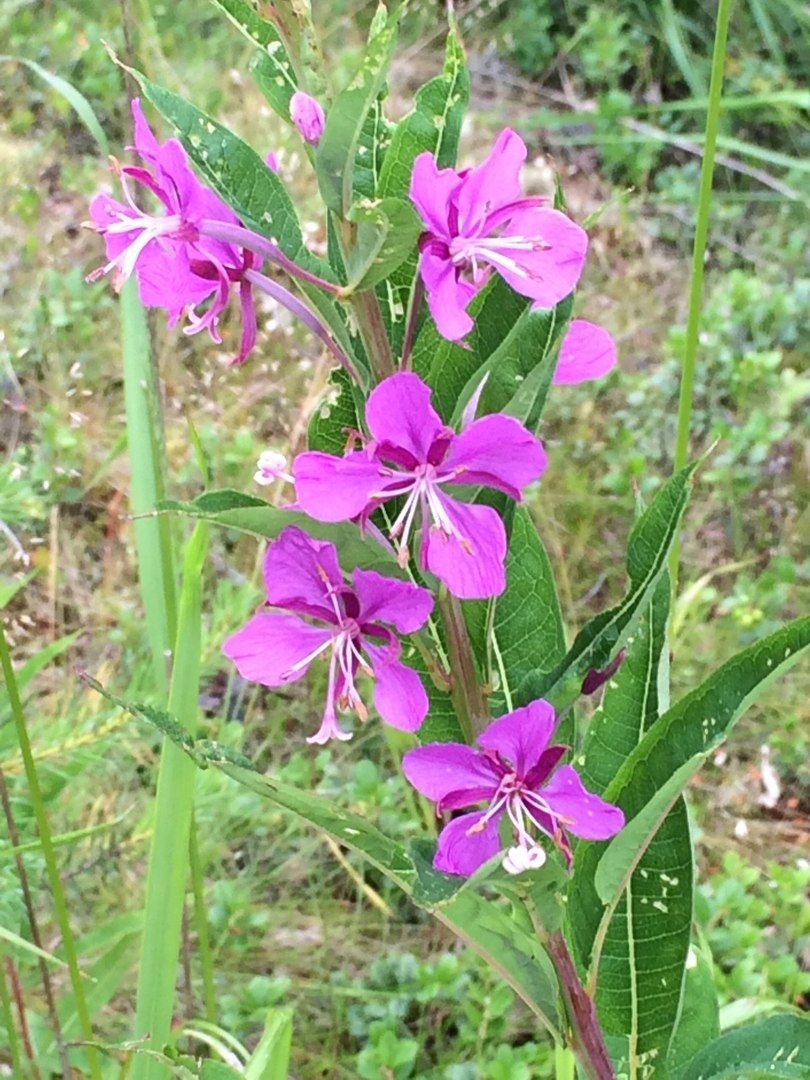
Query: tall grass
703	209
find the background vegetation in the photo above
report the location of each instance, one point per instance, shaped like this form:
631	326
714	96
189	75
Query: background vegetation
610	95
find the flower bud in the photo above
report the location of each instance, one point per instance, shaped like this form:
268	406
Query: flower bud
308	116
271	466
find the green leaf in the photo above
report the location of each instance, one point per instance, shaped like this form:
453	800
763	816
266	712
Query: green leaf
336	152
432	126
447	367
387	232
778	1046
441	723
630	701
272	68
699	1021
271	1058
335	417
371	150
238	174
659	898
520	371
601	638
246	513
522	627
81	106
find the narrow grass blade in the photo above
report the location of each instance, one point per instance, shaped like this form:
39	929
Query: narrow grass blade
698	259
82	107
43	828
168	866
7	1015
271	1058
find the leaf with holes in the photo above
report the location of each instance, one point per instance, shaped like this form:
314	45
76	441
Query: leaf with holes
336	416
387	232
601	638
778	1046
651	939
271	68
515	633
337	150
699	1019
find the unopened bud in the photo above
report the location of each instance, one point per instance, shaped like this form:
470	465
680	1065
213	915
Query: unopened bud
518	859
308	117
271	466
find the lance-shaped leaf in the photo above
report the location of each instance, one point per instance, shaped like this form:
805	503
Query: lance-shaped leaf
515	633
699	1019
387	232
246	513
271	68
778	1046
433	126
520	371
653	943
601	638
483	925
337	150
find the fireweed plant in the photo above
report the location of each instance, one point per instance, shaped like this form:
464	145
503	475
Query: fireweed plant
402	557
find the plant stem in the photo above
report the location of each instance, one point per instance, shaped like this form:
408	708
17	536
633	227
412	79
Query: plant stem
465	689
698	258
43	828
33	924
201	926
372	330
7	1014
587	1040
412	317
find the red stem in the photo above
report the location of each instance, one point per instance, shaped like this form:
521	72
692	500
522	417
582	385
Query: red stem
588	1043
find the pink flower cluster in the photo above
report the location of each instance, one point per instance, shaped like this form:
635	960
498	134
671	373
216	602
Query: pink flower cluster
408	477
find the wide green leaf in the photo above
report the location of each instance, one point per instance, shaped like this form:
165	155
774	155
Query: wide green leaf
246	513
699	1020
348	115
778	1046
432	126
519	373
659	896
335	417
515	633
271	68
387	232
601	638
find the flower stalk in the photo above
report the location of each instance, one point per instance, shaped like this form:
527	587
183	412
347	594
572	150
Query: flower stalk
465	689
372	330
587	1040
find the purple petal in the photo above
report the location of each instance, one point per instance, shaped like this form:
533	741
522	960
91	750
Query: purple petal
165	279
447	297
521	736
146	145
463	852
432	191
300	573
493	183
401	604
587	352
308	116
549	273
399	696
497	451
274	649
441	769
580	812
271	161
471	561
249	325
330	488
398	411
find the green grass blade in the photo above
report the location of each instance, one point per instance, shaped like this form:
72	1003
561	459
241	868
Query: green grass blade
698	259
166	879
43	828
152	536
80	104
271	1058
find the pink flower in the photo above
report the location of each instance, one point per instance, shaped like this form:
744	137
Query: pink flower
512	772
477	221
177	268
320	614
587	352
308	116
413	455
